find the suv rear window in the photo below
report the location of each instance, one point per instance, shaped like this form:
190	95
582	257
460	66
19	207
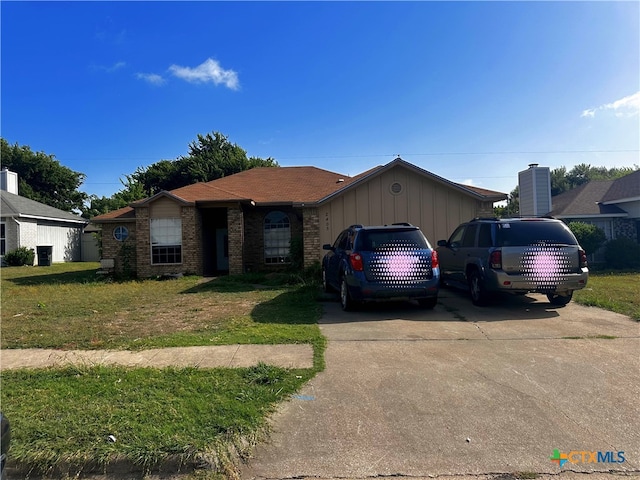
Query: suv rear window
370	240
534	232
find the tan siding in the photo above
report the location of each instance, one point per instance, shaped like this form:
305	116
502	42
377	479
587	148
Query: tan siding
164	208
363	205
337	215
350	208
375	201
416	203
436	208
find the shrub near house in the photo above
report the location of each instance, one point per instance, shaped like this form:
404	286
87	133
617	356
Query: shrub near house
20	256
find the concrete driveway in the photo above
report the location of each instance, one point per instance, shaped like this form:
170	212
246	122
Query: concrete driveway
462	390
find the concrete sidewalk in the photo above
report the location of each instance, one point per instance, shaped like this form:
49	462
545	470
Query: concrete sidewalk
287	356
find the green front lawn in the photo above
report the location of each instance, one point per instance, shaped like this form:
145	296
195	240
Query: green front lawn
68	306
62	418
614	291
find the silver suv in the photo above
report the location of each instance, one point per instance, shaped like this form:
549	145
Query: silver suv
514	255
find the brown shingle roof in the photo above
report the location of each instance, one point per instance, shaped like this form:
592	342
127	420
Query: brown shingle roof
280	184
624	188
584	200
277	185
124	213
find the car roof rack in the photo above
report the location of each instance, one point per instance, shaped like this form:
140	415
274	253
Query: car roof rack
402	224
477	219
357	225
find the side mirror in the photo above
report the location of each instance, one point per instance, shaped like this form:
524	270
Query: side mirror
442	243
328	246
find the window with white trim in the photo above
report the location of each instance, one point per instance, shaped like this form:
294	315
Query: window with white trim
166	240
277	237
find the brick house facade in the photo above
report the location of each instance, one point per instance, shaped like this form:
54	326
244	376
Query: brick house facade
246	222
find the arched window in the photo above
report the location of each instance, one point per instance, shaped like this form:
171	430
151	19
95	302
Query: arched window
277	235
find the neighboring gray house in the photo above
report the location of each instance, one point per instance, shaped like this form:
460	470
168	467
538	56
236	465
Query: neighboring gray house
612	205
27	223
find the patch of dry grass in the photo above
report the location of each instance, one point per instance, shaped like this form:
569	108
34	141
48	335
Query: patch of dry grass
67	306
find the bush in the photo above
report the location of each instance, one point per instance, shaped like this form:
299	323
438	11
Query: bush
20	256
296	254
623	254
590	237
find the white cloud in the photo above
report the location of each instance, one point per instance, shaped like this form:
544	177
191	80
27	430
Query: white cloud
468	181
151	78
625	107
209	71
110	69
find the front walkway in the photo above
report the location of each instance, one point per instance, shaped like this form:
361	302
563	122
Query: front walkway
287	356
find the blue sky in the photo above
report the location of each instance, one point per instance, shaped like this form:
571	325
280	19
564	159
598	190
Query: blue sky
471	91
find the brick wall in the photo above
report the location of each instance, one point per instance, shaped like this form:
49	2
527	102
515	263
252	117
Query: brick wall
235	223
191	241
123	253
624	227
484	209
28	231
254	236
143	245
191	244
311	235
11	235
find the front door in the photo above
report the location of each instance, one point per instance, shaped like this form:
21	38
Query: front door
222	248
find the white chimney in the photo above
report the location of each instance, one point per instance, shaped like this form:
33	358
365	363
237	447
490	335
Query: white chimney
535	191
8	181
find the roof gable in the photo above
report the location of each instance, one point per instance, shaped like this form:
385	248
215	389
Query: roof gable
13	205
478	193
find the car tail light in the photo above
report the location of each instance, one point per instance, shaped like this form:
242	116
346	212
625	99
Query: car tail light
495	260
583	258
435	263
356	261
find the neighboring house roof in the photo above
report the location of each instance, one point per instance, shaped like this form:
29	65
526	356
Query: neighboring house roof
21	207
586	201
624	189
286	185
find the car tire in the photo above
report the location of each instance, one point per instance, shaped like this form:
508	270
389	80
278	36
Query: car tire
428	303
559	300
479	295
325	285
346	302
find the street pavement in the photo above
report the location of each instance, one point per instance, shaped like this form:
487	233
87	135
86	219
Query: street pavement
463	391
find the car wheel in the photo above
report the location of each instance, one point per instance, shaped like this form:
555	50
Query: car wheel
559	300
325	284
346	301
479	295
428	303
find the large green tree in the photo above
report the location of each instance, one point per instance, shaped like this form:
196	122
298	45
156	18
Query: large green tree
210	157
132	191
42	178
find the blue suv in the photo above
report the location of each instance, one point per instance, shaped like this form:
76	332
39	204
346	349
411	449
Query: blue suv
390	262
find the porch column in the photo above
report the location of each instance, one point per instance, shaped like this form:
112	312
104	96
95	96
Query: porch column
311	236
235	225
